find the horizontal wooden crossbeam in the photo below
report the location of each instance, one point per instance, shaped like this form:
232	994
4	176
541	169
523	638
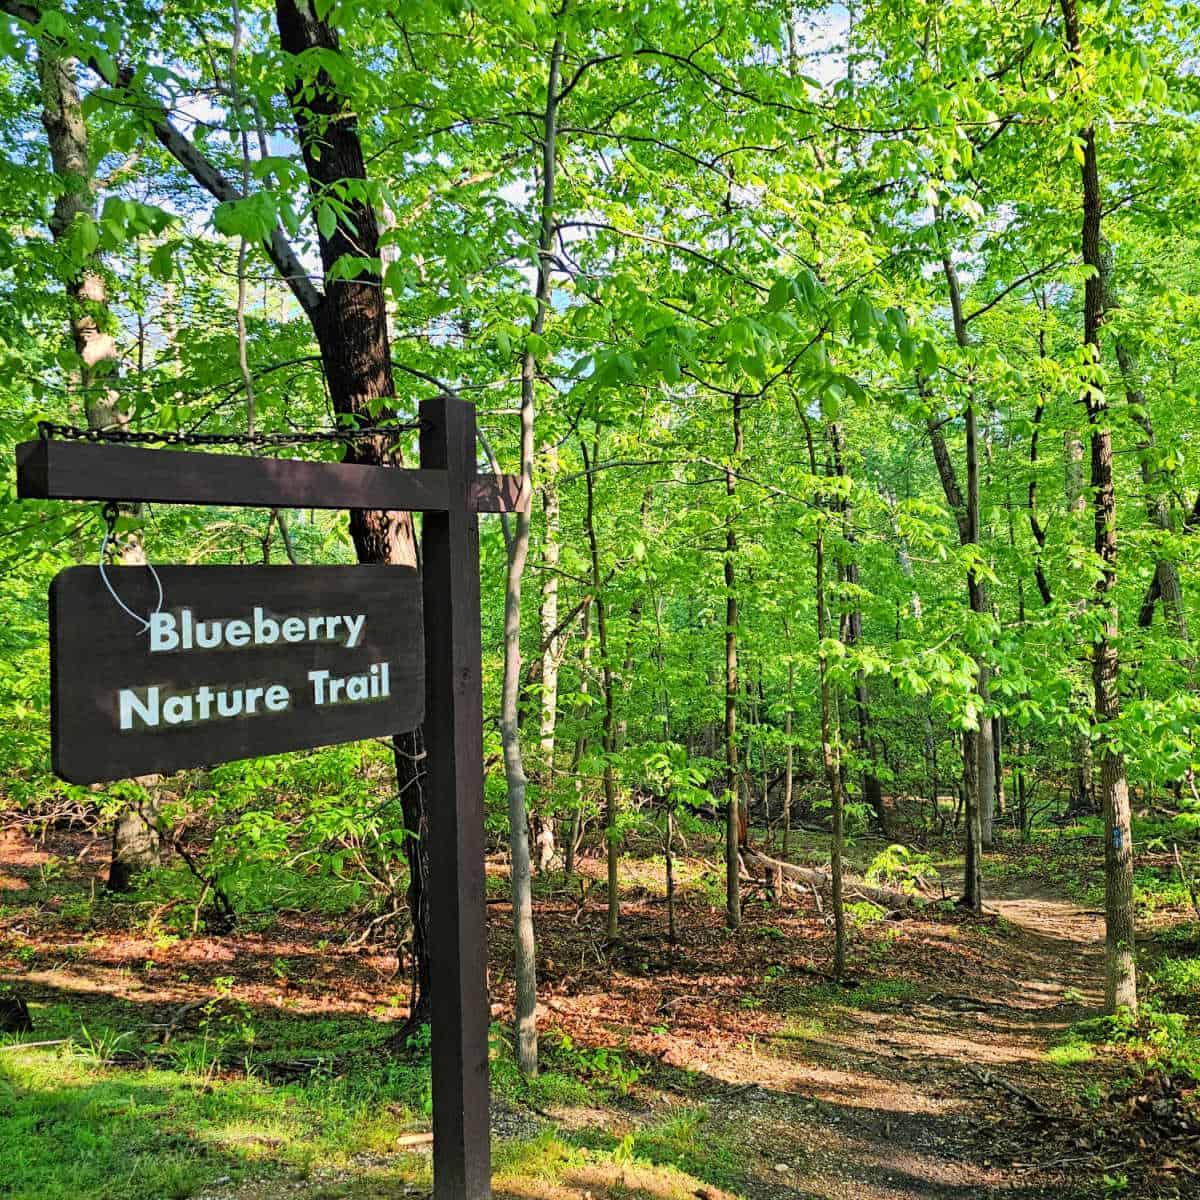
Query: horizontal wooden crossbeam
53	470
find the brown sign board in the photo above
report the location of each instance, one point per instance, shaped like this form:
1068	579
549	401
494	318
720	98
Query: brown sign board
238	662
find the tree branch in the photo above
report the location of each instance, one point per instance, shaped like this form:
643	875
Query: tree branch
190	157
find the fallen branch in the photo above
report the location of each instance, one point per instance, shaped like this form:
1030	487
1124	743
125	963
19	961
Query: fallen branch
765	869
181	1012
990	1080
415	1139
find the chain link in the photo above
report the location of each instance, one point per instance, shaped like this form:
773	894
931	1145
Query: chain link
48	430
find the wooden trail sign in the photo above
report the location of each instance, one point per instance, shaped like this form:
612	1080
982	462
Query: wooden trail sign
240	662
448	491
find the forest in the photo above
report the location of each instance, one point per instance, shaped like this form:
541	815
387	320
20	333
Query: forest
840	669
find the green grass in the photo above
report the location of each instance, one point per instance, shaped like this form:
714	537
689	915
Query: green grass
806	1028
70	1126
1071	1053
875	994
684	1143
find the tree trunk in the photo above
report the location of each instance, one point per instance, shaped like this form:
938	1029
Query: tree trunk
967	515
135	843
733	900
672	935
830	732
973	866
1120	990
1083	792
788	780
977	596
611	834
349	321
831	758
524	946
852	635
585	660
985	738
553	639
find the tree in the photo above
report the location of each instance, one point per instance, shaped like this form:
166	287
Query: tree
1120	985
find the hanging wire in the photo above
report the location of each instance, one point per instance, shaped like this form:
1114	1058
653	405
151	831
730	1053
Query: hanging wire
48	430
111	512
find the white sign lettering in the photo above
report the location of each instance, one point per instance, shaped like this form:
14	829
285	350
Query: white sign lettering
335	689
183	632
147	708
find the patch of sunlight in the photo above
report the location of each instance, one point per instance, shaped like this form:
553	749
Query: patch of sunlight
1070	1054
608	1181
542	1157
805	1029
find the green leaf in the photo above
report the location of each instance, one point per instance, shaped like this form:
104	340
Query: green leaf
105	65
780	294
162	261
84	237
327	221
252	217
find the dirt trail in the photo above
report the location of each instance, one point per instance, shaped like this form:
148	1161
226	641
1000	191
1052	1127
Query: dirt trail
897	1104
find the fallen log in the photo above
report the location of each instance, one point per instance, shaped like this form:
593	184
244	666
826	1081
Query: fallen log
765	869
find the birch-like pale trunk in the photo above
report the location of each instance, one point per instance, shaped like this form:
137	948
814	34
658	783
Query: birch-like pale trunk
524	948
135	843
553	639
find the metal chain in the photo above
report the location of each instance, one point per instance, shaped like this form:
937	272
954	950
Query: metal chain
48	430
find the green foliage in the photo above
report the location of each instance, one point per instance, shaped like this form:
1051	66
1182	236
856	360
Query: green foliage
902	868
1177	982
850	260
1157	1039
602	1066
863	912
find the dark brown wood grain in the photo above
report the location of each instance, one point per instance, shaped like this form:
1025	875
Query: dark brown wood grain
53	470
454	746
96	651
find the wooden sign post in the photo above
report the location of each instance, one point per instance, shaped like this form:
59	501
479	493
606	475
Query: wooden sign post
449	492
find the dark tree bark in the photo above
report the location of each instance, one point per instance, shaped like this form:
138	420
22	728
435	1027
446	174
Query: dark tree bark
733	818
1120	989
349	321
1035	525
609	735
852	627
976	753
980	774
831	755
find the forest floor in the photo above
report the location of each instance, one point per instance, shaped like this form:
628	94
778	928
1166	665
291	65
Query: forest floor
954	1064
